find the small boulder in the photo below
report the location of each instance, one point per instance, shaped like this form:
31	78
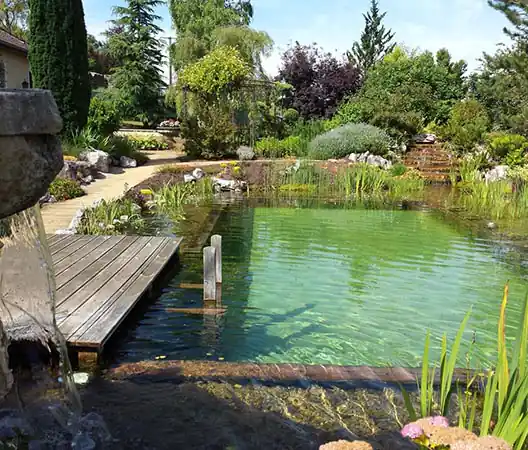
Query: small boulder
127	162
198	173
425	138
87	180
221	185
48	198
353	157
498	173
188	178
99	159
245	153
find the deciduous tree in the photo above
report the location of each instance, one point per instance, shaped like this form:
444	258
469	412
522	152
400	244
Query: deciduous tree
13	17
319	80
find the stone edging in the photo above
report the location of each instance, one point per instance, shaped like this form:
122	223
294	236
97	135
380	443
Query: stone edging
278	373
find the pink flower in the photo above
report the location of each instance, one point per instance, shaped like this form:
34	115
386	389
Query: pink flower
439	421
412	430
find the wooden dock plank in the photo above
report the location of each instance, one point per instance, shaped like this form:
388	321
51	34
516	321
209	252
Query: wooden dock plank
59	245
73	249
111	318
116	281
101	278
70	267
68	286
67	305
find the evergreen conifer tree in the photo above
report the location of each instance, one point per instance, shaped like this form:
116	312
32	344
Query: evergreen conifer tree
138	77
375	42
58	57
516	11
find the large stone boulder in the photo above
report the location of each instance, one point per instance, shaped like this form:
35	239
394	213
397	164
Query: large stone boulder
30	153
78	170
97	158
368	158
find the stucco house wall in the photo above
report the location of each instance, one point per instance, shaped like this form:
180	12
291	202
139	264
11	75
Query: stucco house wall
14	63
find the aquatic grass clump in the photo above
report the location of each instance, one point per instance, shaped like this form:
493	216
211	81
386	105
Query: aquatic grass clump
350	180
170	199
108	217
505	395
497	200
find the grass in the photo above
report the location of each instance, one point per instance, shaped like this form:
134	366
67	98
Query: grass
505	396
120	216
343	181
497	200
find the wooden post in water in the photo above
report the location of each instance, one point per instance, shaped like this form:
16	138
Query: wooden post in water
209	272
216	242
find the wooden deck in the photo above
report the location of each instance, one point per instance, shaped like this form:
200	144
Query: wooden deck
100	279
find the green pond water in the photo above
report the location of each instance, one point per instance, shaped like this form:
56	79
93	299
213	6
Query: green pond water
337	285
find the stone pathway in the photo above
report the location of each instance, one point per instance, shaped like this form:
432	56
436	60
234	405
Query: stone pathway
58	216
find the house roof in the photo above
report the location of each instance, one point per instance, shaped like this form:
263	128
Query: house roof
8	40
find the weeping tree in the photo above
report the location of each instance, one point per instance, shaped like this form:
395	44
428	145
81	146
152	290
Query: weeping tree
203	25
58	57
376	41
138	77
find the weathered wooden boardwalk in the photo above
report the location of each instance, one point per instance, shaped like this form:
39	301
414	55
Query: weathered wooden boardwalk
99	280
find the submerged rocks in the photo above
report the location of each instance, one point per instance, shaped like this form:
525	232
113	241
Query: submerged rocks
368	158
97	158
346	445
498	173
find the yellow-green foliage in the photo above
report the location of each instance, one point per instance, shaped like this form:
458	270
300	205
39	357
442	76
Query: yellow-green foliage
215	72
502	144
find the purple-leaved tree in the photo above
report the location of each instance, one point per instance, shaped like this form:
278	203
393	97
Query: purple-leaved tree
319	80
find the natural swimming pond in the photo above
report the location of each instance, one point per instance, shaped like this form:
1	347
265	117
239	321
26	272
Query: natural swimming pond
336	284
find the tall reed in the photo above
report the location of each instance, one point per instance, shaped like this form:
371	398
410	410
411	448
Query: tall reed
505	396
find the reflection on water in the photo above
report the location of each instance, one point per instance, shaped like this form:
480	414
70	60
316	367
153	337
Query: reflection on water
336	285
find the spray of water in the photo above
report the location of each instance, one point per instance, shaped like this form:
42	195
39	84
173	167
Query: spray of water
39	400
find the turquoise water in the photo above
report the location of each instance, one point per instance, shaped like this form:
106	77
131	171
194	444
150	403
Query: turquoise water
334	285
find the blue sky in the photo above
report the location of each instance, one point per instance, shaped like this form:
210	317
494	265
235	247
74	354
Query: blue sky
465	27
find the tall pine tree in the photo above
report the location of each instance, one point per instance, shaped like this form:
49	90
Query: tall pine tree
516	12
58	57
138	78
375	43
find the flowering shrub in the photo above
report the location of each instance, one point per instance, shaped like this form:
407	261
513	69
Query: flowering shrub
352	138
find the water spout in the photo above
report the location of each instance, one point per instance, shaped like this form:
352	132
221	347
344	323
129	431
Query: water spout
39	402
